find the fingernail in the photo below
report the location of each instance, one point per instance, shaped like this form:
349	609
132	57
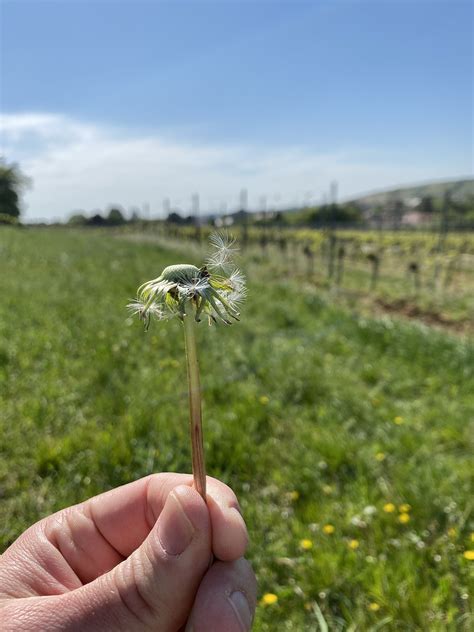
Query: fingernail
241	608
175	530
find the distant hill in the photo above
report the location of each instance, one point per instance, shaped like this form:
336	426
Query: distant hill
460	191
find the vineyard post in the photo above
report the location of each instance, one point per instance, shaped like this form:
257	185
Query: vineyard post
341	253
195	213
444	220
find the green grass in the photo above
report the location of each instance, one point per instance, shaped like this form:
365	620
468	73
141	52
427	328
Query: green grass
301	396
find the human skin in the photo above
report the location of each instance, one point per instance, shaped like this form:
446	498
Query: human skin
150	555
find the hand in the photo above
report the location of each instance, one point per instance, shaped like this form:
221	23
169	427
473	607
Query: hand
137	558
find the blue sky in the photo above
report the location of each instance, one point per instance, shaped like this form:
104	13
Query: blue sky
280	97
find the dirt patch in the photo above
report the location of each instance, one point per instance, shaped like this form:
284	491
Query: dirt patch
405	308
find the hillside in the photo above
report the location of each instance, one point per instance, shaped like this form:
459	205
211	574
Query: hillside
460	190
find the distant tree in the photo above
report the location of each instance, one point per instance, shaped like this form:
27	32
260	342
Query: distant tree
8	219
115	217
96	220
279	219
77	219
12	183
426	204
334	214
174	218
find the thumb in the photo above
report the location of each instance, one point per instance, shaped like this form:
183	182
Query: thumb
154	588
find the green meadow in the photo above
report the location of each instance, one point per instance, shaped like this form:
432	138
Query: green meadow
348	439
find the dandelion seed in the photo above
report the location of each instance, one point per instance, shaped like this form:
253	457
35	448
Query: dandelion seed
468	555
369	510
404	508
224	251
328	529
404	518
269	599
306	544
389	507
353	544
373	607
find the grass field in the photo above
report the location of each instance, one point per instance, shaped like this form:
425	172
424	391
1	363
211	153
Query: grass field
347	439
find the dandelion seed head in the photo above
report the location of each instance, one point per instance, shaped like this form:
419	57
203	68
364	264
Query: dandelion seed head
184	287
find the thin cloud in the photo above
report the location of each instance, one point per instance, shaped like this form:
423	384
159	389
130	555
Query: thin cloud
78	165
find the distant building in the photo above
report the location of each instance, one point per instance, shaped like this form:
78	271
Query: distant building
416	218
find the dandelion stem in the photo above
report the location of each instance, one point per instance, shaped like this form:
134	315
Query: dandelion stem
195	419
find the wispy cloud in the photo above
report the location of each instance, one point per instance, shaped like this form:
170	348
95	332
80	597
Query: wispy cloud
79	165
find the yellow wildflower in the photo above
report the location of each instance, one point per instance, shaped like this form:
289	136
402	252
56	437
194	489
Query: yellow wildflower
380	456
269	599
328	529
373	607
264	400
469	555
353	544
472	537
404	518
328	489
404	508
389	507
306	544
452	532
398	420
294	495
